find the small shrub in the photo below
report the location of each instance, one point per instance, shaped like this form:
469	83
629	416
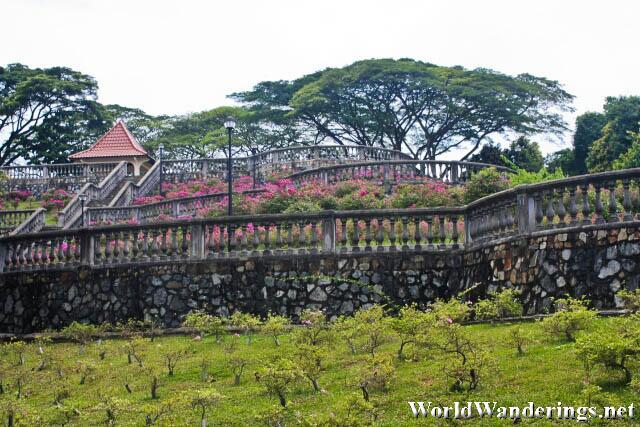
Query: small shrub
452	311
411	326
80	333
309	359
519	337
315	328
203	400
206	324
487	181
571	316
278	376
275	326
346	328
500	305
630	299
376	374
247	323
371	325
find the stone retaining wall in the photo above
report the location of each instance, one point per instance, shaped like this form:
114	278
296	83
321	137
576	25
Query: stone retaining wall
591	262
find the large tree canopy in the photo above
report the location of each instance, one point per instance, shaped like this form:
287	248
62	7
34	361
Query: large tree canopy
421	108
30	98
203	134
622	115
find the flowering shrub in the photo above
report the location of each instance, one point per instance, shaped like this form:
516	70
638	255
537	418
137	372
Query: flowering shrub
429	194
484	183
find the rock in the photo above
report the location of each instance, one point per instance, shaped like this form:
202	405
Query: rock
549	268
292	294
71	295
566	254
155	281
342	263
318	295
582	237
66	307
560	282
217	280
548	284
8	305
628	265
18	308
629	249
615	285
346	308
160	297
612	268
612	252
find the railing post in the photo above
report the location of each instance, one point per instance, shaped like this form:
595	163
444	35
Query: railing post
329	233
526	213
205	169
87	247
3	255
467	228
197	241
454	173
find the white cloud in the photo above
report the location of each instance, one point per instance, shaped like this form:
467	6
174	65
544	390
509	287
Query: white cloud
175	57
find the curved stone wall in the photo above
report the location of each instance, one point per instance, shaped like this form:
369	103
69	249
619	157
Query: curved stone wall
594	260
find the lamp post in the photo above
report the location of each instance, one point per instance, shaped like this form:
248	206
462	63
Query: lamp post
230	124
83	198
161	154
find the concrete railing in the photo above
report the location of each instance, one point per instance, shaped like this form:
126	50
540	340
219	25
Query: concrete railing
68	176
394	171
72	211
149	182
551	207
185	206
281	161
22	221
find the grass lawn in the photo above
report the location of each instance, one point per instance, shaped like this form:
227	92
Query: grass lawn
549	372
51	217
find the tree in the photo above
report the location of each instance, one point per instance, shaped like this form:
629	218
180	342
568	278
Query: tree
409	105
588	129
203	134
562	160
526	154
623	117
490	153
31	97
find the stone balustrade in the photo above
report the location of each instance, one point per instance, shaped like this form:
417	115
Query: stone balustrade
21	221
181	207
67	176
526	210
394	171
72	212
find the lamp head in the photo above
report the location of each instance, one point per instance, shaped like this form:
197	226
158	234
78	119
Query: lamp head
230	123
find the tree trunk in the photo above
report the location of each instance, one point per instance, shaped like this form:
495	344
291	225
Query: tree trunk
283	401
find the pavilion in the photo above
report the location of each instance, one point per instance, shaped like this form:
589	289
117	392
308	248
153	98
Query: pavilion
117	145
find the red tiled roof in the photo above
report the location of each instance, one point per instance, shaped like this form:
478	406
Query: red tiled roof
117	142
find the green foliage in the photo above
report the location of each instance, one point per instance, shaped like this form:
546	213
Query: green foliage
499	305
376	374
520	337
613	351
247	323
353	411
381	102
425	195
523	177
278	376
314	330
275	326
630	299
525	154
487	181
630	158
451	311
372	328
571	316
206	324
203	400
310	361
354	202
302	206
412	326
622	116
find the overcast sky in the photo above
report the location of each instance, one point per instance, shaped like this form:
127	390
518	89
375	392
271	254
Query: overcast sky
175	57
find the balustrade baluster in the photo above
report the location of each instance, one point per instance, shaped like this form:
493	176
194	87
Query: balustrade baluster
52	252
355	237
599	207
573	208
380	234
626	201
417	234
164	249
255	239
28	256
116	246
243	239
550	213
586	208
184	245
267	239
279	246
343	234
613	203
442	235
430	236
539	215
405	232
454	231
561	211
368	235
145	245
314	237
126	237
